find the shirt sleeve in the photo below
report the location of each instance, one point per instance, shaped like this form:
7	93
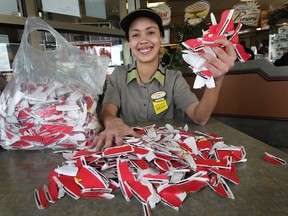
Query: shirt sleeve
183	96
112	93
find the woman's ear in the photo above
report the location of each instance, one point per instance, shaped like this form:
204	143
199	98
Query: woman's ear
162	40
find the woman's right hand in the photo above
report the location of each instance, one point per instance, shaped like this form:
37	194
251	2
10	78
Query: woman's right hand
113	134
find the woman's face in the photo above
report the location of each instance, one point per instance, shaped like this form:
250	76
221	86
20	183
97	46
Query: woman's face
145	39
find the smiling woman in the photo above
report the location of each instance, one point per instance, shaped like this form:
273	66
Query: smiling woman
145	90
144	41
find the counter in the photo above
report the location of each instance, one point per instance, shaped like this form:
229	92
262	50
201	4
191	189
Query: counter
253	89
266	69
262	190
262	66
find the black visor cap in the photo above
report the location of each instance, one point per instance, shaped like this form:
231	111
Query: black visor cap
141	12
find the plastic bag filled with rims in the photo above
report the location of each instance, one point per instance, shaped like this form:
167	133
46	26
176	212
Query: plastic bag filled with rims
51	100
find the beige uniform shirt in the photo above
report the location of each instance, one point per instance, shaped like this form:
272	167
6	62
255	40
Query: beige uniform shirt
156	100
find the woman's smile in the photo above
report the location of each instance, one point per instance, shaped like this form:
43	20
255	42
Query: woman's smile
145	50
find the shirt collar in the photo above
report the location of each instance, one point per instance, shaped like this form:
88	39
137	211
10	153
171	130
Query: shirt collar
159	75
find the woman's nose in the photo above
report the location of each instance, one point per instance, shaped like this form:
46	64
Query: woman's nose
143	40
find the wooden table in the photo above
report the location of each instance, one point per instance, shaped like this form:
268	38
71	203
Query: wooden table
262	190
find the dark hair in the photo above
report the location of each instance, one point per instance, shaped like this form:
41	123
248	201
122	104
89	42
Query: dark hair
141	12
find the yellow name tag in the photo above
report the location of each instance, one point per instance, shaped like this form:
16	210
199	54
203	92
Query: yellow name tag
160	106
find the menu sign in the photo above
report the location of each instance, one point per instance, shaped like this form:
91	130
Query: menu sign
164	11
196	12
247	14
96	48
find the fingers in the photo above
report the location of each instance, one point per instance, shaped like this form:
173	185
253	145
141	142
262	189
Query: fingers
218	65
119	140
109	138
229	48
228	54
94	143
115	132
99	142
224	59
102	140
108	141
135	134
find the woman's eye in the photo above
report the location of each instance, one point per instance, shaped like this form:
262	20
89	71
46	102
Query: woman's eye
134	35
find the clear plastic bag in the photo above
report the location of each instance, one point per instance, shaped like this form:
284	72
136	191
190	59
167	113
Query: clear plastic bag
67	64
52	94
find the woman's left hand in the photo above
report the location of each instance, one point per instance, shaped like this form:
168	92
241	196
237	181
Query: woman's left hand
224	60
